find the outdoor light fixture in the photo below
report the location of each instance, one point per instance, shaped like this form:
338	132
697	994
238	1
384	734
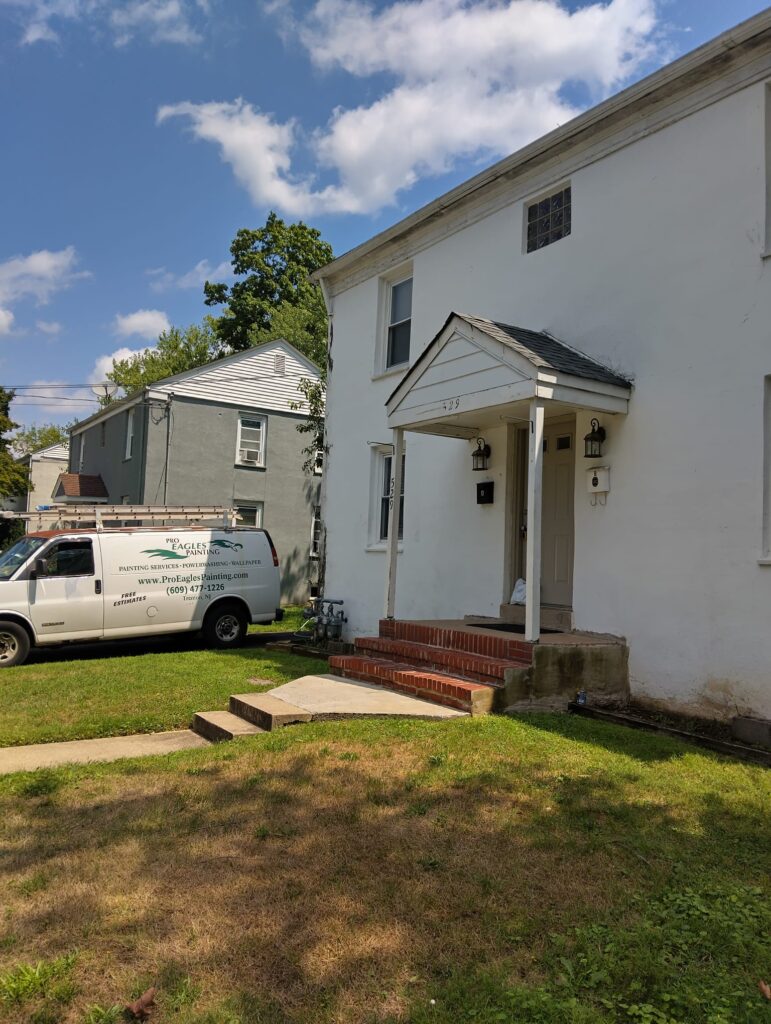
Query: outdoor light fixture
480	456
593	441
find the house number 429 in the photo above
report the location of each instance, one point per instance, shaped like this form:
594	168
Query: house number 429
450	404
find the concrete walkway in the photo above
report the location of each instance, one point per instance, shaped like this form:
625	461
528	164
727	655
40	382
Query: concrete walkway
330	696
112	748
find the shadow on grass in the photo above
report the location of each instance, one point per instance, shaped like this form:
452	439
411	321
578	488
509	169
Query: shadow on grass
617	739
176	643
312	883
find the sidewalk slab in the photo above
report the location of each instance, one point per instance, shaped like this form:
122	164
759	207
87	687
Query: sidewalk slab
331	696
111	748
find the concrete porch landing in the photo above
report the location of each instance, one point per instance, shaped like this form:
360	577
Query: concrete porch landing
331	696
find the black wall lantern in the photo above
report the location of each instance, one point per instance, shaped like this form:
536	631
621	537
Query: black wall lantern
480	456
593	441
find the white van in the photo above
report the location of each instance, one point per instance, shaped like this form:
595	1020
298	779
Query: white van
58	586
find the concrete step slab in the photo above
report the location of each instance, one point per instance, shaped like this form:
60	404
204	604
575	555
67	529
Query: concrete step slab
266	711
222	725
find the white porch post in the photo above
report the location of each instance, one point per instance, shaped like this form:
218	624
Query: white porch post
393	521
533	554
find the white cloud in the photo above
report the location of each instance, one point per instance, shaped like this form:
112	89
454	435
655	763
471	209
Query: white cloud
163	280
103	364
145	323
159	21
38	275
469	81
51	327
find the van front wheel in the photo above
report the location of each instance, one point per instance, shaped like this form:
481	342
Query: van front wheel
225	626
14	644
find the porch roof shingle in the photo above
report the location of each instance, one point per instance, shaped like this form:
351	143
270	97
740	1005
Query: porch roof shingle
80	485
546	352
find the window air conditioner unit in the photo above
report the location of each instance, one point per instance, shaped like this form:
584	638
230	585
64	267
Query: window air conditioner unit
249	455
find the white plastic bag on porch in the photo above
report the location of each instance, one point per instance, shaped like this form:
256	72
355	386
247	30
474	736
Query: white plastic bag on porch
518	593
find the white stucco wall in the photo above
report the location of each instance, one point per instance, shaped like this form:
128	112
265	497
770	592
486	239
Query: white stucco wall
662	278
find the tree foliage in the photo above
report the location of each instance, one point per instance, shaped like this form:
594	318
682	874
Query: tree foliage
273	264
13	476
178	349
39	436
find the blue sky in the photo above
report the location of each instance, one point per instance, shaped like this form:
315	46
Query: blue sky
139	135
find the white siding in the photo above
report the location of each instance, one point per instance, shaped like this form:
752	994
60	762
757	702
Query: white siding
248	380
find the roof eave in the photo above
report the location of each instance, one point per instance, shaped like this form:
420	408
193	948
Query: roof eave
663	78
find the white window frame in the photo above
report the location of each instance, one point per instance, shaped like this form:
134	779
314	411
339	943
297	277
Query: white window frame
81	451
385	287
258	463
377	492
129	452
316	524
259	511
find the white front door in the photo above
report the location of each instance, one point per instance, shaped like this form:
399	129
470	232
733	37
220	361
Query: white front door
557	513
66	602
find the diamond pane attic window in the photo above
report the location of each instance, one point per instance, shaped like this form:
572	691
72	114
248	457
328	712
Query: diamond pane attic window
548	220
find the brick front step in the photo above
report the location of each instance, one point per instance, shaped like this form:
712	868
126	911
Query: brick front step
478	667
469	640
451	691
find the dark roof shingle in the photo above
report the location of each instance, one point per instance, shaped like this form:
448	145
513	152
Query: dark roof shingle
547	352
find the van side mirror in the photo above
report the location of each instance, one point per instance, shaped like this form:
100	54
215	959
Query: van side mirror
39	568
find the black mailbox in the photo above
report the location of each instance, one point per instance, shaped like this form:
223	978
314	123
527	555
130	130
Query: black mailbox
485	493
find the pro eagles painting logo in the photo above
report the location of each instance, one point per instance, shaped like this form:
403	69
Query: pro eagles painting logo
202	548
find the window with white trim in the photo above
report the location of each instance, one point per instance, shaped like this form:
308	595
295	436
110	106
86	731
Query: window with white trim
316	531
129	433
82	452
385	497
399	323
250	450
250	513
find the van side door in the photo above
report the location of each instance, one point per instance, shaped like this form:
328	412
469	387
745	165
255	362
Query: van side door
65	600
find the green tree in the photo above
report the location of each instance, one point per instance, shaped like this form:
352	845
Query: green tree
14	477
178	349
35	438
274	264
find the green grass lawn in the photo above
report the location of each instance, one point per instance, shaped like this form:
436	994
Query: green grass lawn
541	870
79	693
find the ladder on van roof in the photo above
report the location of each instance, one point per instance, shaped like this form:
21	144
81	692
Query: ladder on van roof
51	516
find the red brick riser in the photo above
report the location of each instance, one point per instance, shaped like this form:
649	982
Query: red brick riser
457	640
453	667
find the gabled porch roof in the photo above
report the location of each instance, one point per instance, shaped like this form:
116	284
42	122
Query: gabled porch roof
474	370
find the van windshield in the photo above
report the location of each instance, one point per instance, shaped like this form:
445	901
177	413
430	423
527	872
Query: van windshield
17	555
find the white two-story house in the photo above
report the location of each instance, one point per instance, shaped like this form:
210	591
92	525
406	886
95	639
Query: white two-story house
584	330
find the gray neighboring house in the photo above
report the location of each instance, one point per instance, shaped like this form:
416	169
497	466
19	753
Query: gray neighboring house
224	433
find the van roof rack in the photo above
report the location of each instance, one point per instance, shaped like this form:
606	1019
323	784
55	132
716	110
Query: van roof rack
101	514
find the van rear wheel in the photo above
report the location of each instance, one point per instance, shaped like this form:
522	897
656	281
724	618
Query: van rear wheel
225	626
14	644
